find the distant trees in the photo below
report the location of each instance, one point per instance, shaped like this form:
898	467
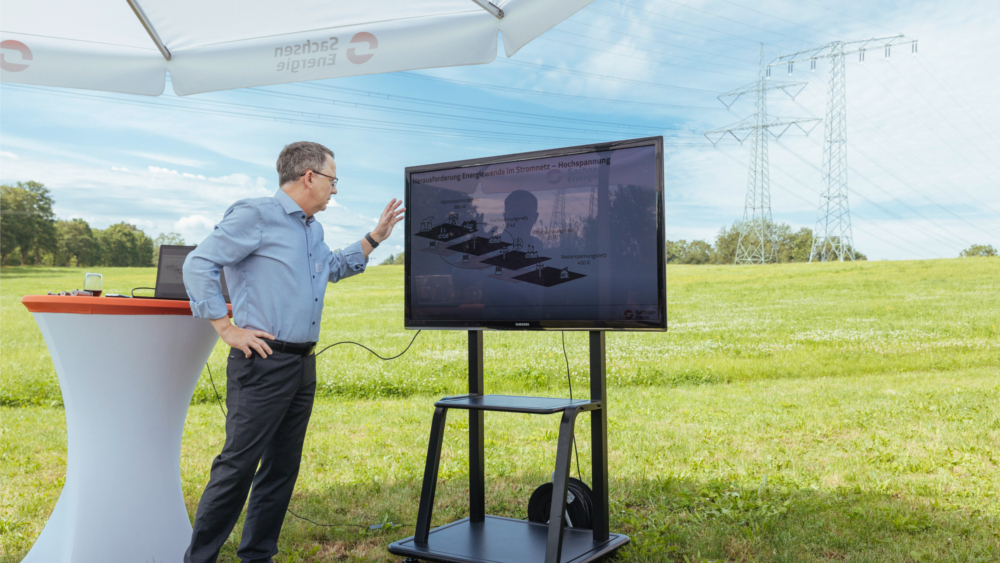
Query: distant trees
31	234
28	223
684	252
77	242
397	260
792	246
169	239
123	244
980	250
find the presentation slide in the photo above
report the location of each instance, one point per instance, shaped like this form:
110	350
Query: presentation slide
570	238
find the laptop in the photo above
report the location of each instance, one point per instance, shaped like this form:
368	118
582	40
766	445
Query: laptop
170	274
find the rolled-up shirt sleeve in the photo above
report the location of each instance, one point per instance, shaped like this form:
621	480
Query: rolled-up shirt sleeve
347	262
234	238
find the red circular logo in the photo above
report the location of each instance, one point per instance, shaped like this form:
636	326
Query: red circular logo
628	314
363	37
20	48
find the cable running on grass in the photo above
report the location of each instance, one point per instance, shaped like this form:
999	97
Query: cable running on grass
374	353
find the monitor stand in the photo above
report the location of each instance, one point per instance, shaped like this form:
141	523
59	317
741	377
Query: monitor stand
481	538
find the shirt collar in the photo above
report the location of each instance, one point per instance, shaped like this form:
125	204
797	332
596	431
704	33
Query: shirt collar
289	205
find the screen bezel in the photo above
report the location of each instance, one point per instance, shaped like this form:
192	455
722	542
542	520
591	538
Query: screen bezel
589	325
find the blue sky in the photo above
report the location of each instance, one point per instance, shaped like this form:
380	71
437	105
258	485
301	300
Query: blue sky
924	141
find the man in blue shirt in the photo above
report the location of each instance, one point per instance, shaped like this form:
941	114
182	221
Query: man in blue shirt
277	267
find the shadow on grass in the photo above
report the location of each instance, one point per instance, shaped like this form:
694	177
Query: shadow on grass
670	520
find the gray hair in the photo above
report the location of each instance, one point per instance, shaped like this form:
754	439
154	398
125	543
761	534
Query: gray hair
296	158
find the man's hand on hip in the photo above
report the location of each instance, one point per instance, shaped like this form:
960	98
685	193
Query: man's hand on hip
241	338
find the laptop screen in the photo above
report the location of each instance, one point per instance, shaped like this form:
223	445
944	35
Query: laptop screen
170	274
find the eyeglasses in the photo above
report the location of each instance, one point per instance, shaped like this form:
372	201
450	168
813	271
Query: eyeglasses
333	180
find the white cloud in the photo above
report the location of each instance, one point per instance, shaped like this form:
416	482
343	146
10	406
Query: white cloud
10	155
158	170
169	158
194	228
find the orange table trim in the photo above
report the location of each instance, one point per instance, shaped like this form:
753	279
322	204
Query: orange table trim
83	305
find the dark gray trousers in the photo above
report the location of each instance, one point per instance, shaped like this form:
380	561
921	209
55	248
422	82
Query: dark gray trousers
269	402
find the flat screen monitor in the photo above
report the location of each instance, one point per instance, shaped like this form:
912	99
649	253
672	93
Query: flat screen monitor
561	239
170	273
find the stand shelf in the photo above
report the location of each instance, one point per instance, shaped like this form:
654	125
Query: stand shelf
509	403
504	540
492	539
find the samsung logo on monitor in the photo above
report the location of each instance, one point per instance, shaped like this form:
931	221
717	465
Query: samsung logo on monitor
522	324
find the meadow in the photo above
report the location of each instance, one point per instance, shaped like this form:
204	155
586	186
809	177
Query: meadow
799	412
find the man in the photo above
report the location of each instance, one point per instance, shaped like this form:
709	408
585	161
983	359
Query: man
277	267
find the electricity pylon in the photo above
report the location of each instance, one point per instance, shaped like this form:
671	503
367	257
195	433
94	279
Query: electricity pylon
757	243
558	220
832	237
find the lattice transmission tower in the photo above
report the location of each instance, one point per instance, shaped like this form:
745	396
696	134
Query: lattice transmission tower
833	238
558	220
758	243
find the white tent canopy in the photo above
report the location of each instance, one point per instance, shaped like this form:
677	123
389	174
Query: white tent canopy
207	45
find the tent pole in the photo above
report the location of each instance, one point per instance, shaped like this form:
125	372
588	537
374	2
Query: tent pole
484	4
149	28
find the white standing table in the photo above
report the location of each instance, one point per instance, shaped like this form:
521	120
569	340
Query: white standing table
127	369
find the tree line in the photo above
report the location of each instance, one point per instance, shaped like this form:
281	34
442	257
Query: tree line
789	246
394	260
31	234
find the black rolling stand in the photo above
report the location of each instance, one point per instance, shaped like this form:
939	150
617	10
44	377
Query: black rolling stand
492	539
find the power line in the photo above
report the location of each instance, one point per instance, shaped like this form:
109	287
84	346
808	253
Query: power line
272	93
729	20
605	77
904	164
484	109
647	24
299	117
943	116
638	58
910	186
870	201
975	119
662	15
944	229
341	121
779	19
550	94
858	215
932	130
820	6
810	203
623	34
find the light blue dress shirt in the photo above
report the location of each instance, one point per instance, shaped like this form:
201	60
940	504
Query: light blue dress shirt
277	267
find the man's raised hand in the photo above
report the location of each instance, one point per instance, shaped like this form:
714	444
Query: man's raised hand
391	215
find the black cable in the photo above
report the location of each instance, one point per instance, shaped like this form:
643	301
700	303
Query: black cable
217	397
569	380
350	524
370	350
135	288
371	527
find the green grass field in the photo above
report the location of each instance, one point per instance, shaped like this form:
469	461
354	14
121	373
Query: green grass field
825	412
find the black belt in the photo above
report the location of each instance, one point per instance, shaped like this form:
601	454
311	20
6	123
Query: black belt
303	349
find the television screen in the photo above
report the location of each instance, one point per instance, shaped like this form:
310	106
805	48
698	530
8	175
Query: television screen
563	239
